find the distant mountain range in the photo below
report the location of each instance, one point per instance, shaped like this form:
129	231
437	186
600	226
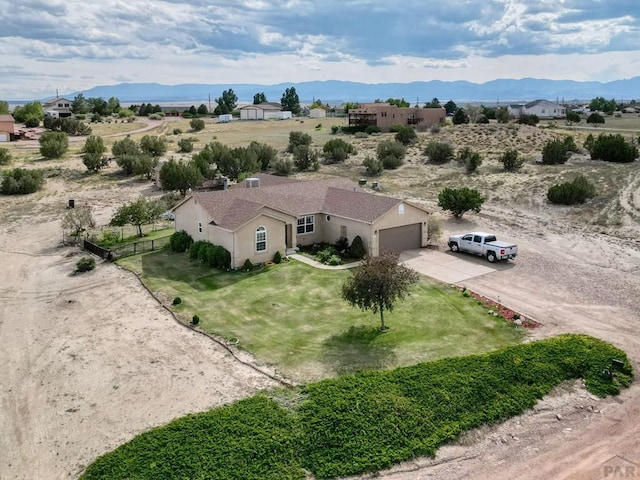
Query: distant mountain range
337	92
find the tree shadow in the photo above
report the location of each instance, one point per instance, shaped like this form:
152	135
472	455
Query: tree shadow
357	349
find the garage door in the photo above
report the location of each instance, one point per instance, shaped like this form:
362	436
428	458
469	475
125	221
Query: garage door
398	239
4	137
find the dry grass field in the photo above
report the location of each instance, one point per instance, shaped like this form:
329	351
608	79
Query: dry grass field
91	360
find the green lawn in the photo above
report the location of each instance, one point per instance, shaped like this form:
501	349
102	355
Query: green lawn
292	316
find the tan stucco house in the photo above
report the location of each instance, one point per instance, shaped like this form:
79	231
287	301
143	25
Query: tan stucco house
386	116
268	214
7	128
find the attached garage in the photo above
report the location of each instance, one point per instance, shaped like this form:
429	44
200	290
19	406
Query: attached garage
399	239
4	137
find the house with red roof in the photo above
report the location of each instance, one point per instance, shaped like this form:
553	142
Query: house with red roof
267	214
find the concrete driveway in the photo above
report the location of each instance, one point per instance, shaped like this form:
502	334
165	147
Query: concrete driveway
447	266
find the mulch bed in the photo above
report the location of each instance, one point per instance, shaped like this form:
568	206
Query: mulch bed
502	311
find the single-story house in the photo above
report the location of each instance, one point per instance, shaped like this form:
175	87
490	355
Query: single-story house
7	128
60	105
268	214
386	116
264	111
317	113
540	108
225	118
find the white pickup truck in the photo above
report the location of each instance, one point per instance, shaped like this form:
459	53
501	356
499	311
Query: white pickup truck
483	244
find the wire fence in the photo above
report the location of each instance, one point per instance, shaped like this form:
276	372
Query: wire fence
141	246
128	231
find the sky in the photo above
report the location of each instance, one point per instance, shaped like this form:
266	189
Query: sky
72	45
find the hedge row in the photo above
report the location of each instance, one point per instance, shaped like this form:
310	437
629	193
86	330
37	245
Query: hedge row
209	254
364	422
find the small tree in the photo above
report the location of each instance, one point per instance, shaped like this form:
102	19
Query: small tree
555	152
196	124
357	250
571	193
290	101
78	220
526	119
153	145
126	146
305	157
265	154
226	103
93	153
378	284
470	159
259	98
595	118
460	117
53	144
180	176
502	115
460	200
283	167
511	161
373	165
439	152
573	117
138	212
85	264
185	145
337	150
406	135
298	138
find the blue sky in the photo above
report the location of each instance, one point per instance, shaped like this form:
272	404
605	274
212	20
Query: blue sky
72	45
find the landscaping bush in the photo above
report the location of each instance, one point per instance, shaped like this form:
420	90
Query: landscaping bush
373	165
298	138
570	144
351	129
85	264
334	260
337	150
325	254
460	200
109	238
5	156
180	242
571	193
388	149
439	152
194	249
248	266
511	161
613	148
406	136
21	181
277	258
53	144
356	250
176	301
93	153
555	152
195	320
342	244
460	117
482	119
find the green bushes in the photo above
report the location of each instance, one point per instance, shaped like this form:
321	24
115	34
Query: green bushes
571	193
511	161
532	120
53	144
406	135
595	118
185	145
611	148
337	150
373	165
5	156
555	152
470	159
298	138
153	145
213	256
176	301
460	200
248	265
439	152
364	422
277	258
21	181
372	129
356	250
283	167
180	242
391	154
305	157
85	264
195	320
196	124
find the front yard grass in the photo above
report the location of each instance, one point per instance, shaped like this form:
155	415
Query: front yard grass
293	317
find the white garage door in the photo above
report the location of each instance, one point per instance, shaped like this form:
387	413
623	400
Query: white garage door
398	239
4	137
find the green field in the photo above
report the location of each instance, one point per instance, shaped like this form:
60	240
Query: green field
292	316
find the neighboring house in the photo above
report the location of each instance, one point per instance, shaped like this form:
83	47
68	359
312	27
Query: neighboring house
386	116
7	128
264	111
317	113
540	108
58	108
268	214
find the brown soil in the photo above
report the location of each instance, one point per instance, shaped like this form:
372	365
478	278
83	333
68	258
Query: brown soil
89	361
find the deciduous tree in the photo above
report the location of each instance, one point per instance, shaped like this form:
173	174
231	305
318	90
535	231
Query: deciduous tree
138	212
460	200
378	284
78	219
180	176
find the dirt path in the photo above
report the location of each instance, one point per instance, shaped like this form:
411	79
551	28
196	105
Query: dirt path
89	361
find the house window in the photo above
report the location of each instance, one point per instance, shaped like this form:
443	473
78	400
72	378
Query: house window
401	209
343	231
383	114
200	227
261	239
305	225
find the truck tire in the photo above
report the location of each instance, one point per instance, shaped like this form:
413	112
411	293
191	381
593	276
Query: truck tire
454	247
491	257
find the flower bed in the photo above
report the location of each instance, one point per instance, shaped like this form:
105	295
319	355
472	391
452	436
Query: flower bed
498	309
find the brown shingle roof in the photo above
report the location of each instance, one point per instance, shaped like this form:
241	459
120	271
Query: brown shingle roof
232	208
6	118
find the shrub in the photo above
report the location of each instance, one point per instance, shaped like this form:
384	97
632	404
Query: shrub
180	242
93	153
177	131
196	124
470	159
337	150
248	266
510	161
325	254
460	117
126	146
482	119
595	118
319	126
361	135
571	193
373	165
5	156
109	238
532	119
265	154
439	152
406	135
277	258
356	250
185	145
176	301
155	116
461	200
32	122
342	244
298	138
613	148
570	144
372	129
335	129
153	145
554	153
435	128
388	149
304	157
20	181
195	320
194	249
396	128
334	260
53	144
283	166
573	117
85	264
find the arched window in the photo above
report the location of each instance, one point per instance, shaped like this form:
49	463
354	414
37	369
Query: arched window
261	239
